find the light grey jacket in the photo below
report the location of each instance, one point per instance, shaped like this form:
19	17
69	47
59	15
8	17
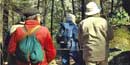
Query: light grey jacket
94	34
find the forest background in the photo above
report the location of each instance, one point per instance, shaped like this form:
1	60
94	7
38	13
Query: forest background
54	11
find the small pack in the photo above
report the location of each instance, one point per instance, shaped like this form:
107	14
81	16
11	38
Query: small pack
29	48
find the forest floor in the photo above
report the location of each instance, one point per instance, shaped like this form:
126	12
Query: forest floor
115	58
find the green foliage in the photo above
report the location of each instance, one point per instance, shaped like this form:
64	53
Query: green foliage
120	18
118	15
121	39
21	4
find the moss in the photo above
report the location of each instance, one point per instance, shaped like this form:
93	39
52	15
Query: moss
121	39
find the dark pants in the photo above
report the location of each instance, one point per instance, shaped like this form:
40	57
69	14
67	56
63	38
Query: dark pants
11	60
76	56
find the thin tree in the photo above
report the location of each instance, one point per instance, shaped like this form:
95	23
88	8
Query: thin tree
38	4
5	27
73	6
83	9
52	16
101	4
112	3
45	12
64	10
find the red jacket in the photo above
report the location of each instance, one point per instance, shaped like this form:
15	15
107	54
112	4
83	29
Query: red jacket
44	37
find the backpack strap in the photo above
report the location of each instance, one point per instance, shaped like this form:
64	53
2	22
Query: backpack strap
30	32
34	30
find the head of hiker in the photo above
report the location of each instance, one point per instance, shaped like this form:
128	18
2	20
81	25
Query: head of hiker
92	8
71	18
32	14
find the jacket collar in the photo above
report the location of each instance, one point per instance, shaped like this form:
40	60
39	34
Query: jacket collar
70	22
31	22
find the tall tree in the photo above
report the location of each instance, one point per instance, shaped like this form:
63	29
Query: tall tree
83	3
64	10
112	3
5	18
52	16
101	5
38	4
44	11
73	6
5	26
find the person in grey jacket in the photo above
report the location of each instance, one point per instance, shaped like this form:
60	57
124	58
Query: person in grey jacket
94	35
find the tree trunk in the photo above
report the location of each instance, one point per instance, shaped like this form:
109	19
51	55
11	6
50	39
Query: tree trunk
52	16
45	12
5	19
38	4
73	6
13	21
64	10
112	3
83	3
1	45
102	8
5	27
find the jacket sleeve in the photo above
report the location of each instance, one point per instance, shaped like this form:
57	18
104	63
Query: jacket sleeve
49	48
80	32
12	44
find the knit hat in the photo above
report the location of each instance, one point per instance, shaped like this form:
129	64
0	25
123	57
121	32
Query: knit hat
92	8
30	11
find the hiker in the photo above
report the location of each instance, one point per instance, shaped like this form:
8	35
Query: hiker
68	41
36	54
94	35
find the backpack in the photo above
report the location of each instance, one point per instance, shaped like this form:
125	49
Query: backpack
29	48
66	32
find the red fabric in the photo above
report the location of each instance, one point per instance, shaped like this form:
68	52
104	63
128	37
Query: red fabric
43	35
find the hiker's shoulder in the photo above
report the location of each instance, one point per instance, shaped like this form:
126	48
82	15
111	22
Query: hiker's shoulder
15	27
43	28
